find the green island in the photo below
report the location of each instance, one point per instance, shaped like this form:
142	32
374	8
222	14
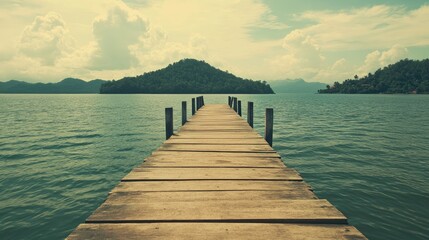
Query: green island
186	76
406	77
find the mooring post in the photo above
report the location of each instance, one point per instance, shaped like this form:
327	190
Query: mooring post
184	113
269	123
235	104
239	108
168	122
229	101
198	103
250	113
193	106
202	101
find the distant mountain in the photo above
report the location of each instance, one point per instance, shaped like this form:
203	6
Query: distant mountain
405	76
186	76
68	85
295	86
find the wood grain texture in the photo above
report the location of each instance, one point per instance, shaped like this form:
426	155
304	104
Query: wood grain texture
215	231
169	174
225	141
243	211
209	185
183	154
211	162
205	196
216	148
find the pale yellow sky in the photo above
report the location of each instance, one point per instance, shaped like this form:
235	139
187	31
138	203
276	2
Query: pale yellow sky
47	40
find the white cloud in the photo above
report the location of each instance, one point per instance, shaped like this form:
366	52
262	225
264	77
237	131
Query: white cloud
368	28
302	58
115	34
44	39
339	64
378	59
358	30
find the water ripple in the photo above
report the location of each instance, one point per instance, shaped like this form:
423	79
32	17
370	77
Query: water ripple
61	154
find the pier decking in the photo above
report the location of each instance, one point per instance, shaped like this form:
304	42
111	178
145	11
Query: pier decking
216	178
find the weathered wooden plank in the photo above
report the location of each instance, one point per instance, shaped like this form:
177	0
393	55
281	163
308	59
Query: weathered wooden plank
226	130
239	162
275	211
222	119
168	174
209	185
216	128
205	196
210	121
220	135
217	113
215	231
216	141
215	148
183	154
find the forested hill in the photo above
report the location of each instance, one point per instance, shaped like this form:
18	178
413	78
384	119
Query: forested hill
186	76
405	76
68	85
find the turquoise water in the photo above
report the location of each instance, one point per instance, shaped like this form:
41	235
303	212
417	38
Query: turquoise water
61	154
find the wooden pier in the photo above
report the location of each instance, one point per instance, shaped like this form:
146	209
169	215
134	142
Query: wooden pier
216	178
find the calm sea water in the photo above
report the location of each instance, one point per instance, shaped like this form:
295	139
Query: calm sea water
61	154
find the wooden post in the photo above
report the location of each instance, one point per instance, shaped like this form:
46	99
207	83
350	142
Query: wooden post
198	103
250	113
235	104
202	101
269	123
184	113
239	108
168	122
229	101
193	106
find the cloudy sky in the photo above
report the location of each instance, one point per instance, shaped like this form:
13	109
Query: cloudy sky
326	41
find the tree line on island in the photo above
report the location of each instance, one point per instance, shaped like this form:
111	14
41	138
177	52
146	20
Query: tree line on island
67	85
193	76
186	76
405	76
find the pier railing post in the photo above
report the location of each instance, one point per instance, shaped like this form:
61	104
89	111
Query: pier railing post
250	113
235	104
202	101
229	101
239	108
168	122
193	106
198	103
184	113
269	123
